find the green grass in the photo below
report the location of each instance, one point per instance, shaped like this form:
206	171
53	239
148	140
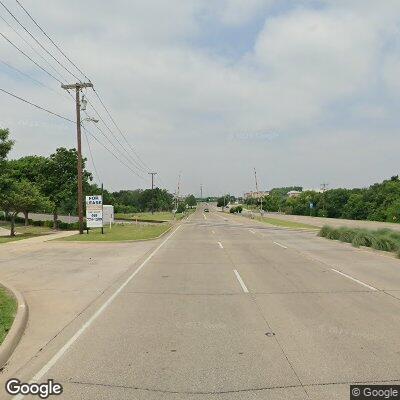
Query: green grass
284	223
148	216
8	309
120	232
24	232
381	239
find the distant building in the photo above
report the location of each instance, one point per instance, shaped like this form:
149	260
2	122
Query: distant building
314	190
294	193
256	195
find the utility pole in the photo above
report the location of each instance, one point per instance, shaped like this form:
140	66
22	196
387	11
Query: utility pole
177	191
201	192
152	189
324	188
102	209
261	204
78	87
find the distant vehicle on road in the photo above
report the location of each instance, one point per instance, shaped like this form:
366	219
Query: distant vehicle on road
206	210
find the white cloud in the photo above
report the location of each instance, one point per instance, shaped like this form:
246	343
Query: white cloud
181	103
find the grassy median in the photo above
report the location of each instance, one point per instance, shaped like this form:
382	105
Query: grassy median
282	223
8	309
161	216
381	239
120	233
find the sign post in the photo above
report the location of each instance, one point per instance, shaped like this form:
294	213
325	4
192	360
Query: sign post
94	211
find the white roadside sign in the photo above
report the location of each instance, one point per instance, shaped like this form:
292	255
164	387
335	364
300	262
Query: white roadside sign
94	211
108	215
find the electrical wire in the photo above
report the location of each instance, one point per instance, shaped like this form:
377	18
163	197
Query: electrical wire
32	47
140	164
116	149
69	120
116	157
51	40
30	77
37	41
129	157
91	156
120	131
29	58
137	164
37	106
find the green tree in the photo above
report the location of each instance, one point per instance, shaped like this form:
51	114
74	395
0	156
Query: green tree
181	207
28	168
191	201
60	181
17	196
6	144
155	199
224	200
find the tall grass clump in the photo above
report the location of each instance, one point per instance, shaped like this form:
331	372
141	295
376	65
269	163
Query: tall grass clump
382	239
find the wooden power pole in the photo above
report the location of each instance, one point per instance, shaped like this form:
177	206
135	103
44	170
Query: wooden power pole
152	189
78	87
261	204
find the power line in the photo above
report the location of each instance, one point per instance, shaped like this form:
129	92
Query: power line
51	40
130	159
69	120
31	47
91	157
116	157
143	165
29	58
120	131
37	106
29	77
37	41
117	150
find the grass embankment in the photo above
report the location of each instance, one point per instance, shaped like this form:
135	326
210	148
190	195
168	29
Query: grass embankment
144	217
283	223
23	232
381	239
120	233
8	309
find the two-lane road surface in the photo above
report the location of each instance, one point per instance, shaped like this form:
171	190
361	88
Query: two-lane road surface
225	308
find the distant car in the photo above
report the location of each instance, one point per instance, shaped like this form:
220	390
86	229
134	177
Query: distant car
206	210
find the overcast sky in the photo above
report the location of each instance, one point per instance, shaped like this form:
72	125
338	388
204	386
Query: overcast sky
305	91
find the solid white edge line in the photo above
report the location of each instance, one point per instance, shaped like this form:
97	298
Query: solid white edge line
354	279
280	245
220	245
239	278
86	325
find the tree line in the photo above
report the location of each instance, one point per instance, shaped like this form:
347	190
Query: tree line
49	184
378	202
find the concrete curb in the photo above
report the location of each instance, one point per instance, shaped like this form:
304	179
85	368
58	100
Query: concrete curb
18	327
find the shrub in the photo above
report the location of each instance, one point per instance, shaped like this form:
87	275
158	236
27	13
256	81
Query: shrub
385	244
324	231
363	239
347	235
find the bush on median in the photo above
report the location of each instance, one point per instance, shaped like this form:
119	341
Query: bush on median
382	239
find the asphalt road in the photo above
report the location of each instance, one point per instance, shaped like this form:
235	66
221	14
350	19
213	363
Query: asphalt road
226	308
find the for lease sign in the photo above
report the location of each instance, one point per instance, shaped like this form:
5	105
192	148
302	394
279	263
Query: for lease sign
94	211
